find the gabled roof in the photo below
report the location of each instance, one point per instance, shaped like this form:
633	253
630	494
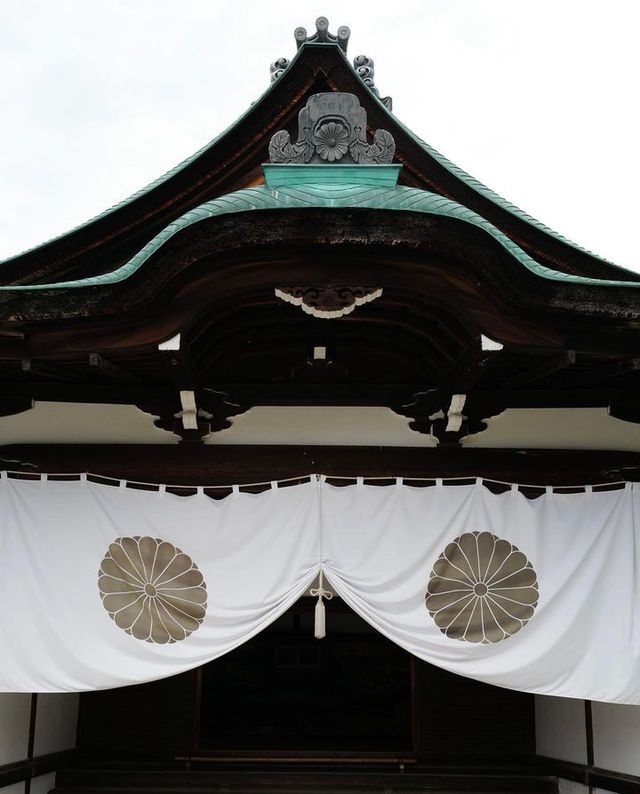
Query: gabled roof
336	195
232	162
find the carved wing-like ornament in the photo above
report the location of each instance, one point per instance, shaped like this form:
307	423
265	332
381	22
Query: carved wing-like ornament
328	302
281	150
380	151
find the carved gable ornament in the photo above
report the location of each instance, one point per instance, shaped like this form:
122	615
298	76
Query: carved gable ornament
362	64
332	127
328	302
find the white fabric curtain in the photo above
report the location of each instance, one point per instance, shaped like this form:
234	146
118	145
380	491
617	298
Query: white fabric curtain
581	639
256	555
103	586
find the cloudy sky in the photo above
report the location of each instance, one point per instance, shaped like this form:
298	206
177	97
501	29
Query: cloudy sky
536	98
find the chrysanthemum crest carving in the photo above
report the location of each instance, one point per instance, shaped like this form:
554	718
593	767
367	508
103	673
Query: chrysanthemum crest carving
482	589
332	127
152	590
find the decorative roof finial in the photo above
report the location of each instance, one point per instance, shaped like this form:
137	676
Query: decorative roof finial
322	35
362	64
277	68
364	69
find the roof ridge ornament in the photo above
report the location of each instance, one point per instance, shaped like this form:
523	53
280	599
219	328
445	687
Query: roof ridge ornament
322	35
362	64
332	126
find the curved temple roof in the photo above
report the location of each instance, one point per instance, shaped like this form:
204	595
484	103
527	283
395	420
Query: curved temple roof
337	194
297	74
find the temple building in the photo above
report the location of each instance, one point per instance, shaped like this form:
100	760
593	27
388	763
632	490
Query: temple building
318	474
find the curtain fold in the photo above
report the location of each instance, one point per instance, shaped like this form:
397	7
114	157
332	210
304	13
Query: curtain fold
539	595
75	614
103	586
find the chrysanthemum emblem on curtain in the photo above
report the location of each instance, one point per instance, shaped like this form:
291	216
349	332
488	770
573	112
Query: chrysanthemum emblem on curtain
481	589
152	589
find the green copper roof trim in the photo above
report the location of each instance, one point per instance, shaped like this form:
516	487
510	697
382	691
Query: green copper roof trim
328	196
286	175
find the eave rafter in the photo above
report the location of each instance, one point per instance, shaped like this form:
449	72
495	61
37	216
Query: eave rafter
425	330
440	281
427	254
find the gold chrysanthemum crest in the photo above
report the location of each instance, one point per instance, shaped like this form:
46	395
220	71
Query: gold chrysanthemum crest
482	589
152	590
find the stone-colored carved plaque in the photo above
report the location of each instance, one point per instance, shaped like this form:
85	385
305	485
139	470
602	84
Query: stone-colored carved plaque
332	127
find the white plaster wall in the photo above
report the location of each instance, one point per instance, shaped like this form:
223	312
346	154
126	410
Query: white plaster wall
553	428
14	788
56	719
616	737
332	424
569	787
15	710
560	728
41	785
82	423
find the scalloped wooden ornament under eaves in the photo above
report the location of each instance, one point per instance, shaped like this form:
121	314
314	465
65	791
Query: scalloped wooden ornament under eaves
328	302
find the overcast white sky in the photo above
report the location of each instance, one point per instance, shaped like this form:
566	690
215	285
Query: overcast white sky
536	98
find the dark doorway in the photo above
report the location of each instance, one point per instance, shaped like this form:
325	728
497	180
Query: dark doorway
285	690
351	696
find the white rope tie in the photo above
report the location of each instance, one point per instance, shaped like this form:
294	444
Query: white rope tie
320	621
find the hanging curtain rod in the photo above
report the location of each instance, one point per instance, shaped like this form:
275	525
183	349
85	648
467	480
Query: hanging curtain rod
309	477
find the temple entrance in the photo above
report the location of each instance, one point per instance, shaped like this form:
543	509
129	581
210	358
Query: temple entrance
286	691
350	712
285	695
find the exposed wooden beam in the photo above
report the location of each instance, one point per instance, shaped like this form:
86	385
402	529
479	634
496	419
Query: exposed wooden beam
119	394
398	397
421	256
458	418
55	371
564	359
222	465
468	370
607	372
189	424
320	394
10	405
9	332
178	363
114	371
